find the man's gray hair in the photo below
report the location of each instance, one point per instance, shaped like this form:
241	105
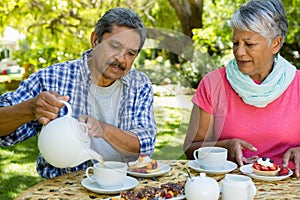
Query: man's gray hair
120	17
265	17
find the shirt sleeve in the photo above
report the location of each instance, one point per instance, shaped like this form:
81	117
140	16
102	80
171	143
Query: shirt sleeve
138	112
211	92
202	97
146	126
26	90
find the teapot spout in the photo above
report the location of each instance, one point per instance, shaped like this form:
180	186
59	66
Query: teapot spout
85	155
94	155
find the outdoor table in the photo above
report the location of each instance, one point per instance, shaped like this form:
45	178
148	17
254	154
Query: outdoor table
69	186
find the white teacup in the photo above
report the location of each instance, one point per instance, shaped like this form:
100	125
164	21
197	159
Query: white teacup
212	158
237	187
111	175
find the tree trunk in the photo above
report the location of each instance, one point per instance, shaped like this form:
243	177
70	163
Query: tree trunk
174	42
189	13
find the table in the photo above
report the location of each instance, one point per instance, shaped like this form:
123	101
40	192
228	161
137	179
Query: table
69	186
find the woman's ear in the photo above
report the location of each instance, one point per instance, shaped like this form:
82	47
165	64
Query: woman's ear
94	39
276	44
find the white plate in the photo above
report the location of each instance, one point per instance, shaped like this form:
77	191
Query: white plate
174	198
164	169
129	183
246	169
229	166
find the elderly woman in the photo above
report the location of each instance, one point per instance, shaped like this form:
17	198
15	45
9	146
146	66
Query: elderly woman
251	107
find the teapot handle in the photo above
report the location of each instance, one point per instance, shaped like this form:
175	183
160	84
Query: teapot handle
69	113
83	127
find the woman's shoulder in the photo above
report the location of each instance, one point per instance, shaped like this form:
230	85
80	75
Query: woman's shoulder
297	77
296	80
215	75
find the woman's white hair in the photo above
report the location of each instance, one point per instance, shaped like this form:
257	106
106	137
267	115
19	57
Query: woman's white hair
265	17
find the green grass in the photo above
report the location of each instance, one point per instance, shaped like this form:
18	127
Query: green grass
18	168
17	163
171	133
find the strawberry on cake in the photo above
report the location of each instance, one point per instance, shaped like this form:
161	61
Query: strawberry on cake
144	164
265	167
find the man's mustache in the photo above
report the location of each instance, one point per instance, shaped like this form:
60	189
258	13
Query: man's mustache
116	64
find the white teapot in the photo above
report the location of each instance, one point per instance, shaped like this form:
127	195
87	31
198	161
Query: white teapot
202	188
64	142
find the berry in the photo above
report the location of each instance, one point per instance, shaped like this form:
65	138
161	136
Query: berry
264	168
257	166
171	193
168	196
283	171
274	168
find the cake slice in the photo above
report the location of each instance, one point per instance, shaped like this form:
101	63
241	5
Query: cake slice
144	164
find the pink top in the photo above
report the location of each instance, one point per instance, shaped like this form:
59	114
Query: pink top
272	130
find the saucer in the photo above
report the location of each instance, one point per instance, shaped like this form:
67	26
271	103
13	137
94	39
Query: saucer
164	169
229	166
129	183
173	198
246	169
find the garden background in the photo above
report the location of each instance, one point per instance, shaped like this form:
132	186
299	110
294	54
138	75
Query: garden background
186	39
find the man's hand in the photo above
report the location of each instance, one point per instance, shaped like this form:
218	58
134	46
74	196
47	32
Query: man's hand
46	106
95	127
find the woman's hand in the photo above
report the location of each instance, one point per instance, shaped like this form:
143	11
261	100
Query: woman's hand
95	127
293	154
235	148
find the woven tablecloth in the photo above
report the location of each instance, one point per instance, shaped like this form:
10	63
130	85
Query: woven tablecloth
69	186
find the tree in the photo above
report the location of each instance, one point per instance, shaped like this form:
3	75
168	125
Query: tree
215	35
189	13
59	30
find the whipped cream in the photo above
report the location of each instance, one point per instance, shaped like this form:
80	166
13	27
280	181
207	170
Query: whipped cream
141	159
265	162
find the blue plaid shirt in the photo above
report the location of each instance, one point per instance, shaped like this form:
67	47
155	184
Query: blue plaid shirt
73	78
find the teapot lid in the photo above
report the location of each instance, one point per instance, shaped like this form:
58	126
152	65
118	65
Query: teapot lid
202	174
203	179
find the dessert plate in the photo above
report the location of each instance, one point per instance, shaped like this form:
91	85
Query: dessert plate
164	169
246	169
229	166
174	198
129	183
